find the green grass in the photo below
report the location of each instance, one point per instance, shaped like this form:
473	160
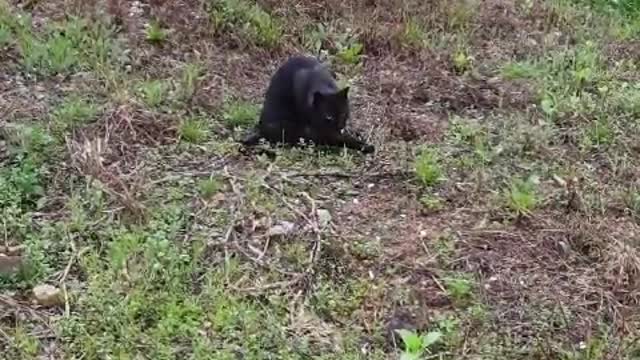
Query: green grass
521	196
155	33
249	19
413	34
427	169
65	47
209	187
73	112
199	275
190	80
522	70
193	130
237	113
349	49
154	92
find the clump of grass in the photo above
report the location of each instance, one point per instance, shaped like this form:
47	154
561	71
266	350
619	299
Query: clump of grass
427	168
459	288
209	187
264	29
154	92
65	47
521	196
413	34
431	202
522	70
193	131
189	81
462	61
460	13
239	113
5	35
598	134
74	111
55	55
350	53
155	33
314	37
29	141
252	20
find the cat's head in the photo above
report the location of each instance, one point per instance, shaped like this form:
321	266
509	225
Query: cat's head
332	110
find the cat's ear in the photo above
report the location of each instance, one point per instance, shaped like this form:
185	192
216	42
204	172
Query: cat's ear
344	93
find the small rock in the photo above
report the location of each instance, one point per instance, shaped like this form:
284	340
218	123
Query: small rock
47	295
324	217
283	228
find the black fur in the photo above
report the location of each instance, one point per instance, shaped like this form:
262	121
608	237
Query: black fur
303	102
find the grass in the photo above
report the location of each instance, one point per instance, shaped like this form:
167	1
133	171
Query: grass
74	112
193	130
154	92
413	34
249	19
190	80
155	33
521	196
237	113
427	168
502	194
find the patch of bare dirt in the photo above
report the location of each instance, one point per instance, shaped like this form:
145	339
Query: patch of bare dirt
573	274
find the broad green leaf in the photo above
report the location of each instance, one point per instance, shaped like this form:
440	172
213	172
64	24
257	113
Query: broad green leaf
412	342
431	338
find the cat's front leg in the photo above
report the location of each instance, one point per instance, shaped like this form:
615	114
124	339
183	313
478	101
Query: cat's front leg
352	142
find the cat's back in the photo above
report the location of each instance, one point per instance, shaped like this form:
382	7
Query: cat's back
282	82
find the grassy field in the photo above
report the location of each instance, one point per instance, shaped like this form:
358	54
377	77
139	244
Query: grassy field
498	218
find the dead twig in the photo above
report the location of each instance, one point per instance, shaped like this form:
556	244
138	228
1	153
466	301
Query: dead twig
74	256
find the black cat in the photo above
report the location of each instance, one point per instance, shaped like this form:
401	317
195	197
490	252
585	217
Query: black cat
303	102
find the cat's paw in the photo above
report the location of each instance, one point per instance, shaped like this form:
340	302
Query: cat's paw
368	149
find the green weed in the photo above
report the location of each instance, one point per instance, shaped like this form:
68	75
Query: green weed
239	113
521	196
253	21
189	81
416	345
522	70
193	131
459	288
263	28
462	61
155	33
74	111
314	37
460	13
30	141
413	34
598	134
427	168
431	202
209	187
67	47
24	344
595	348
350	54
154	92
6	35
